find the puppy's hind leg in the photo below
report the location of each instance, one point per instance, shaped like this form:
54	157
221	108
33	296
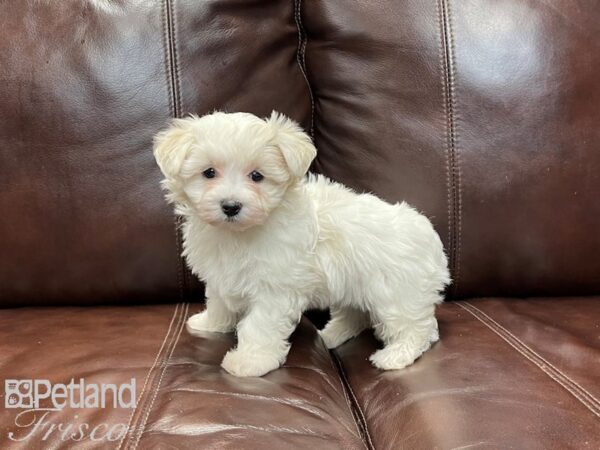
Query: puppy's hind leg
345	324
404	340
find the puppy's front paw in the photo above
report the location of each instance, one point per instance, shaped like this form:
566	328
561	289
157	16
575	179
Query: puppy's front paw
201	322
247	364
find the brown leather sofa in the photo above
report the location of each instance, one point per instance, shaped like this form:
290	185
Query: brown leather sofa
483	114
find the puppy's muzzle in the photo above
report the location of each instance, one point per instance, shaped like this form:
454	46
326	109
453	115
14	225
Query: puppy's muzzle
231	209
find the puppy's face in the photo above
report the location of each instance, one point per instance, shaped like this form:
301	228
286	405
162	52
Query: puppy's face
232	170
235	180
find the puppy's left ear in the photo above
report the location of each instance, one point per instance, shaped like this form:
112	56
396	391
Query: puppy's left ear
295	145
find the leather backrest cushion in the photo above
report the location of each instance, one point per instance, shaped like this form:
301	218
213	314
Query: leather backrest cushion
484	115
85	85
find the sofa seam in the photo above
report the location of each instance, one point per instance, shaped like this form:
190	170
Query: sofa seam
170	97
176	73
456	153
574	388
301	60
355	409
166	56
178	112
172	73
585	392
147	378
457	158
443	71
165	365
453	173
334	362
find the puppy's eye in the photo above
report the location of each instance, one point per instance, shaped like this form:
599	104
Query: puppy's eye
209	173
256	176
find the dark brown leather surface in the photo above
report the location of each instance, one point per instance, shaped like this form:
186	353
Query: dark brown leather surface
82	92
527	92
185	400
303	405
482	116
84	87
505	374
100	344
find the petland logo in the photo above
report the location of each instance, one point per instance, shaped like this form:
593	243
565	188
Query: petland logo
28	394
38	399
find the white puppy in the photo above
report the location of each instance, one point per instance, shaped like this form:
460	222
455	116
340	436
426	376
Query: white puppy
270	244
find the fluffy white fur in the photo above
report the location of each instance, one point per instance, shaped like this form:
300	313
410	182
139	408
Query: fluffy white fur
296	243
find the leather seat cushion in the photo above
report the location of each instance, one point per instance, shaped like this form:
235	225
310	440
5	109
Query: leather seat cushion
506	373
184	398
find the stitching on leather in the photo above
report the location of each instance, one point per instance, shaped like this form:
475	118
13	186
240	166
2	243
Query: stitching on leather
172	65
584	397
444	82
171	94
185	275
177	78
301	59
355	409
452	159
457	171
544	360
553	373
165	365
147	378
167	58
335	366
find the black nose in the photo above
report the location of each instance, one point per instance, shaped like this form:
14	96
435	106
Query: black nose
231	208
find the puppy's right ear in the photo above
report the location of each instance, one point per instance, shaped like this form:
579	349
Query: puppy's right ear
173	145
